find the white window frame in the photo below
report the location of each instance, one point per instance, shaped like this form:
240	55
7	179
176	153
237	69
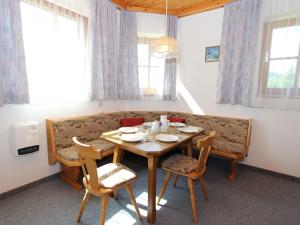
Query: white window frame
266	59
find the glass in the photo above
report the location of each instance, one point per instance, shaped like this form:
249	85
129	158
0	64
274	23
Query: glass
282	73
143	76
154	61
156	77
285	42
143	54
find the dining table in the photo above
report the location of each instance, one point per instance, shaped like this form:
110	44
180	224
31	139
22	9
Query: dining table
151	148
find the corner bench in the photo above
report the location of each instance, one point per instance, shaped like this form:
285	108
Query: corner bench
231	142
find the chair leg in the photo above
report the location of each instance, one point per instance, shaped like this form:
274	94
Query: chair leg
193	199
175	181
83	205
132	198
203	188
104	204
165	184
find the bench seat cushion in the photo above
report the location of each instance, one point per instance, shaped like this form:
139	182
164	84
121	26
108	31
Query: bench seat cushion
71	154
223	145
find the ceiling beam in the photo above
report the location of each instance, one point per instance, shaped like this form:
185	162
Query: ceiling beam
202	7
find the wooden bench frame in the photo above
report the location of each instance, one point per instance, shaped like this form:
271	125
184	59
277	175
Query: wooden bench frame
70	170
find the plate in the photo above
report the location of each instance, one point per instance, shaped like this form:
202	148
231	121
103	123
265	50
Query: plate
128	130
189	129
166	137
177	124
131	137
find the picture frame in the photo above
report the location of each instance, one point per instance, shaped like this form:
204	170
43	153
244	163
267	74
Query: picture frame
212	53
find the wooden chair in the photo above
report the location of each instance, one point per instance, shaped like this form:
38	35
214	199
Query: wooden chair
104	180
189	167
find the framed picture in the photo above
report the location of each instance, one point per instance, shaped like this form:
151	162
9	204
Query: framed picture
212	54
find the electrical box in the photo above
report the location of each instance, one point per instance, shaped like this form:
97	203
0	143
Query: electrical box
25	138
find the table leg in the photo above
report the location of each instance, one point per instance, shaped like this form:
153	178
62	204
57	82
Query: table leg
117	154
190	149
152	164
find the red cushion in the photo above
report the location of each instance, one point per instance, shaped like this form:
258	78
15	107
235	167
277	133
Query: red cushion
176	119
131	122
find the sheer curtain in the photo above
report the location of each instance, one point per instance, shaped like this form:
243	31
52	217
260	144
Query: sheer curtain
259	62
128	78
13	77
169	92
55	49
104	39
278	71
151	67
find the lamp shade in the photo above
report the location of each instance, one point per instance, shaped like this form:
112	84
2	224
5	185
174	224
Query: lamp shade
165	46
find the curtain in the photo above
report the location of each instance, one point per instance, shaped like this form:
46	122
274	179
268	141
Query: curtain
238	51
104	50
169	90
128	77
13	77
259	61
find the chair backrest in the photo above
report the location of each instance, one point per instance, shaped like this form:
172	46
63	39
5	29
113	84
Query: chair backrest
204	145
87	156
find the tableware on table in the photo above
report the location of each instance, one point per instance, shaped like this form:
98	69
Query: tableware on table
155	127
128	130
132	137
189	129
166	137
164	126
147	124
163	118
177	124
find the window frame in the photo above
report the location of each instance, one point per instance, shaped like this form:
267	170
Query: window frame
148	91
268	28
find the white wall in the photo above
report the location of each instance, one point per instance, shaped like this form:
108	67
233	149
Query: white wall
18	171
275	141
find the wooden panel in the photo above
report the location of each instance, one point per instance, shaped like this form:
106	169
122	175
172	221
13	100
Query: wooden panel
202	7
178	8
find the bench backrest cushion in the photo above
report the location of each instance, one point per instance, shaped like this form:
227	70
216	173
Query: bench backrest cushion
229	131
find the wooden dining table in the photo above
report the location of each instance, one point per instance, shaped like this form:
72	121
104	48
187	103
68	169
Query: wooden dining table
152	150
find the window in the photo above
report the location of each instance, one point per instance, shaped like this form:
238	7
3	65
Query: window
55	44
151	69
280	58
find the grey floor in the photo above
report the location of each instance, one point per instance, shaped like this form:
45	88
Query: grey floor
255	198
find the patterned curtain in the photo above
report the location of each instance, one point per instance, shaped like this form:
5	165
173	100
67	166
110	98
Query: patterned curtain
13	77
128	77
169	91
104	50
238	52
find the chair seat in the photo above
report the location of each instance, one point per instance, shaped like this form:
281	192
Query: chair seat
180	163
112	175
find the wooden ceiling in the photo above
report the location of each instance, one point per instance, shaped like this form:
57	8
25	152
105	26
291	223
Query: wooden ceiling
178	8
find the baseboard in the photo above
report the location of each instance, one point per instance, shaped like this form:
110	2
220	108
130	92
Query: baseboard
261	170
27	186
276	174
